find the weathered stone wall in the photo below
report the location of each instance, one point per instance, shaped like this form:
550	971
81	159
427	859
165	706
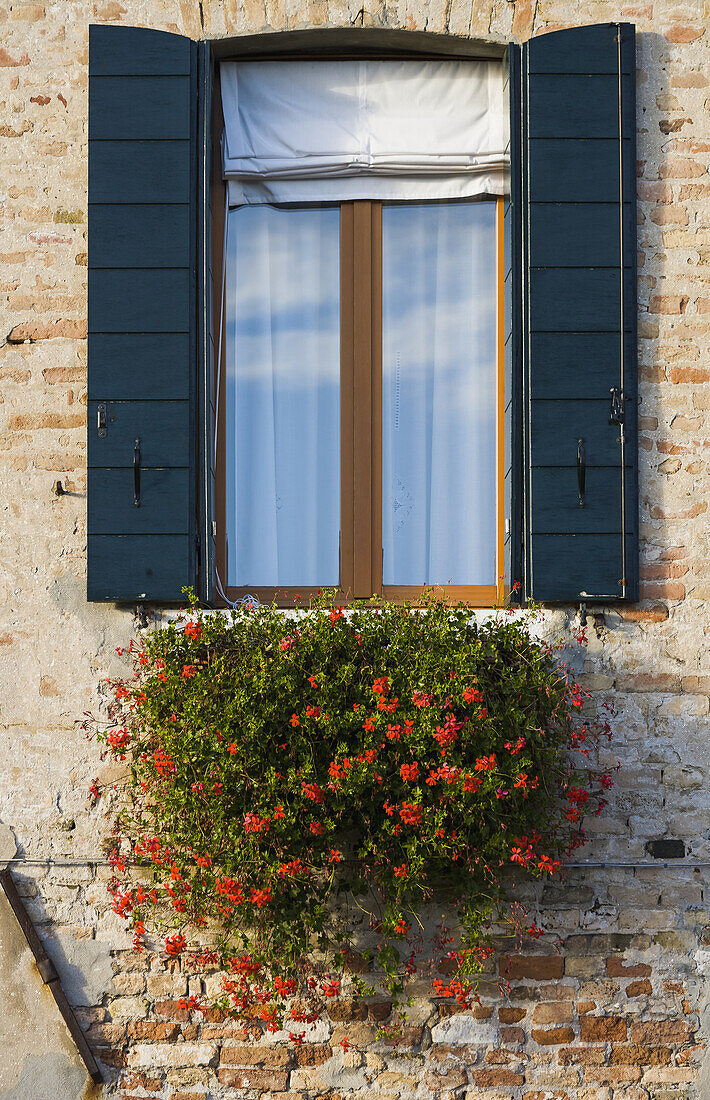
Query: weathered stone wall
619	1012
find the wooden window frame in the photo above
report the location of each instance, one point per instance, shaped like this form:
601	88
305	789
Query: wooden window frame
360	413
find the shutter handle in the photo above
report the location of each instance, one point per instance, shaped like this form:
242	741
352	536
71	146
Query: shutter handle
137	473
581	471
101	421
617	410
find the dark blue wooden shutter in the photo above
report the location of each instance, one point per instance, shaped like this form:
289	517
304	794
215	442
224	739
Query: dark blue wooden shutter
142	314
574	189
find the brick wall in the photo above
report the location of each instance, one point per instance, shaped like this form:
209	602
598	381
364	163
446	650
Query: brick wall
619	1011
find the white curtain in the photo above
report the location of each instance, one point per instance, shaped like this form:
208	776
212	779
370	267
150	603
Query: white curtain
319	131
438	425
282	362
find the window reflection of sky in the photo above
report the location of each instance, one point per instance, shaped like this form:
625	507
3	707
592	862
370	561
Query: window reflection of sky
282	318
439	393
282	364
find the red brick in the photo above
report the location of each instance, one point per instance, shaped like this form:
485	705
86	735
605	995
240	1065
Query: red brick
669	215
545	1094
341	1011
657	614
355	963
616	968
214	1015
613	1075
668	448
656	191
667	570
553	1036
694	375
213	1033
109	1034
511	1015
256	1079
111	1057
655	1032
696	685
312	1054
29	421
523	19
600	1029
8	61
141	1081
690	1054
697	509
582	1056
512	1035
554	1012
668	590
541	967
683	33
76	373
146	1029
173	1010
639	989
255	1056
644	681
405	1037
379	1010
679	168
636	1055
491	1078
47	330
668	303
453	1077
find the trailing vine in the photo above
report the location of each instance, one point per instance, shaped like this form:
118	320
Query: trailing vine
302	787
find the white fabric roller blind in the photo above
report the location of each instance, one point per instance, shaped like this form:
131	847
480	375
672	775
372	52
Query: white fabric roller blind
319	131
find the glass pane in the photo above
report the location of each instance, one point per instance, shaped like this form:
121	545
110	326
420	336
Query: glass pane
282	327
438	426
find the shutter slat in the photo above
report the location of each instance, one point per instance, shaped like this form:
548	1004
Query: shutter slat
566	557
118	366
142	314
557	508
576	338
139	300
571	234
139	567
163	428
163	508
573	54
136	51
582	299
559	107
557	357
131	108
560	171
140	171
556	425
134	235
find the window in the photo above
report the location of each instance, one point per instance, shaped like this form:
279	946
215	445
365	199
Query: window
360	426
342	197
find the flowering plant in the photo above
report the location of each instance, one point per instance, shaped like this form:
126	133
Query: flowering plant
381	754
